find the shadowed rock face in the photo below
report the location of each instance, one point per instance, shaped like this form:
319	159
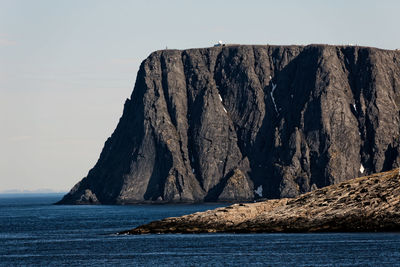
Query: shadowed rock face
364	204
215	124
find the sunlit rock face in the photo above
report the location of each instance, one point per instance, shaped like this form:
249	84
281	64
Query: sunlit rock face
215	124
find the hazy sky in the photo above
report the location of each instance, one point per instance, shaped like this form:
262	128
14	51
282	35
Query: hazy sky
66	67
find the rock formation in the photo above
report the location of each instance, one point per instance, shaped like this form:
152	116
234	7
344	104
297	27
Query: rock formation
243	122
369	203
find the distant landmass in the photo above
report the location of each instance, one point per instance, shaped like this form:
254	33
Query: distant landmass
35	191
366	204
247	122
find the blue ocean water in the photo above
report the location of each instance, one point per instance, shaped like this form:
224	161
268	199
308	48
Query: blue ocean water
34	232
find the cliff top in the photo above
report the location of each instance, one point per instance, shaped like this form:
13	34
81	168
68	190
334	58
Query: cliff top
229	46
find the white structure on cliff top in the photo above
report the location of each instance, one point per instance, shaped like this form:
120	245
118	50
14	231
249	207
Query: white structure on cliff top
220	43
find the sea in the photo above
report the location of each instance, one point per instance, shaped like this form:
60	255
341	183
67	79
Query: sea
34	232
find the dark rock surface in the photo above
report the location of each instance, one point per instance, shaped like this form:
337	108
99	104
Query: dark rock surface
369	203
218	123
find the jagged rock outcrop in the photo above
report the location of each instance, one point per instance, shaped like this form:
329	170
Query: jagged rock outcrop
217	123
369	203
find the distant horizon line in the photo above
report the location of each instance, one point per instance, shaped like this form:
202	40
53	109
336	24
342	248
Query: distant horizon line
33	191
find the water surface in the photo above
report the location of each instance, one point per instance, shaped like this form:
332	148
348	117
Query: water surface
34	232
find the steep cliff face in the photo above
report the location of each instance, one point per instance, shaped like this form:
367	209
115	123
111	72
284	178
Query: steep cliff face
242	122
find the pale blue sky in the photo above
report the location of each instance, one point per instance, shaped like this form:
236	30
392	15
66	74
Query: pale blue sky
66	67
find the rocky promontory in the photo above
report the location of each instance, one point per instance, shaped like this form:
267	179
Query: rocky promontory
246	122
370	203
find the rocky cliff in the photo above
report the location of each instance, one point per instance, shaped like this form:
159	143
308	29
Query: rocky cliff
365	204
236	123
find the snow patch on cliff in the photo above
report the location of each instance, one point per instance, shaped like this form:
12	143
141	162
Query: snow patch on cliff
220	99
272	97
259	191
362	168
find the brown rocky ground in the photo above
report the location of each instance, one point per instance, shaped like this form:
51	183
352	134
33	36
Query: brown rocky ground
370	203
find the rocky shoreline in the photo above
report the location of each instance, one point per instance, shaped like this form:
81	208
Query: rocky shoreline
366	204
